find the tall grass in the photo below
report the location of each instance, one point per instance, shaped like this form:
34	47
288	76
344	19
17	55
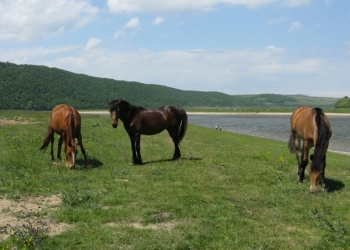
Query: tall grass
228	191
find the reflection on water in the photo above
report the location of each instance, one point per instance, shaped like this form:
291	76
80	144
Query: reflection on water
272	126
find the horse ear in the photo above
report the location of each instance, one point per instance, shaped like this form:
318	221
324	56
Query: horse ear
312	157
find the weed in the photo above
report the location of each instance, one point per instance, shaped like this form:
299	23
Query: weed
335	233
27	236
75	198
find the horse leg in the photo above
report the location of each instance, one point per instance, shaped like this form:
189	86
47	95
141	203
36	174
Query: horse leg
300	156
80	142
60	142
138	149
52	139
322	175
301	171
133	148
304	160
173	135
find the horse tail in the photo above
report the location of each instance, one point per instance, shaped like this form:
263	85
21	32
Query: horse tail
47	139
183	126
323	136
291	143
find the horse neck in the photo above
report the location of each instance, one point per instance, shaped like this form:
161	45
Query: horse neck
70	126
126	113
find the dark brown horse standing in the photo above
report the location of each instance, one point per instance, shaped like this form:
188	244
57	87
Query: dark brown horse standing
66	122
138	121
311	126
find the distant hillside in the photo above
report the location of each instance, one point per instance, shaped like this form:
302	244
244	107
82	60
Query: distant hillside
41	88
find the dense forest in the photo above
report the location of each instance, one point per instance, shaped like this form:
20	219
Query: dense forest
41	88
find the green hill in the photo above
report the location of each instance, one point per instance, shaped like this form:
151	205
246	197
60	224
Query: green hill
41	88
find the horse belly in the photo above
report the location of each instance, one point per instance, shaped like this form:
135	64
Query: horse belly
152	130
152	123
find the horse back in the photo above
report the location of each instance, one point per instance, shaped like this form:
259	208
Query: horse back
154	121
65	118
303	123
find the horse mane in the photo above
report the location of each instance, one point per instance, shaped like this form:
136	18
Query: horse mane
323	136
127	104
130	110
70	125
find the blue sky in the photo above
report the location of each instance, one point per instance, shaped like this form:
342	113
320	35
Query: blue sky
231	46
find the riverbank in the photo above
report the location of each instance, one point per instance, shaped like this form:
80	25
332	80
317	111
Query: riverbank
219	113
241	129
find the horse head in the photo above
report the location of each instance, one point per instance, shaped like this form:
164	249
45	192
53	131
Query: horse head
316	172
71	153
114	111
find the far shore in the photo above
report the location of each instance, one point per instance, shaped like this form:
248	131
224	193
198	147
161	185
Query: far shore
218	113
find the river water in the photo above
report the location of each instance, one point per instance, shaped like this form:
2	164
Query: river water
273	126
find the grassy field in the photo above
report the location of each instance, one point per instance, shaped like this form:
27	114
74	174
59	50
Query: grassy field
228	191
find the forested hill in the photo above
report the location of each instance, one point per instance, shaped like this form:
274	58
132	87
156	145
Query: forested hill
41	88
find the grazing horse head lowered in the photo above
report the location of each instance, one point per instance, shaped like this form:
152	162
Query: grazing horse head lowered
138	121
66	122
312	127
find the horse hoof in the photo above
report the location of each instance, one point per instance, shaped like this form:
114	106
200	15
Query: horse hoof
135	163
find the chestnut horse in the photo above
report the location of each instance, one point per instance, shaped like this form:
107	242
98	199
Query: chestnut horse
66	122
138	120
311	126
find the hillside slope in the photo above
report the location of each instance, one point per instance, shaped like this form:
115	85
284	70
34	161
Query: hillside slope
41	88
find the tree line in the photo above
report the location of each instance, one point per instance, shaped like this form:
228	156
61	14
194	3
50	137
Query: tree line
342	102
35	87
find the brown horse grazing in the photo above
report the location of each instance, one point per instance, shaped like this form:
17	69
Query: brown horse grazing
311	126
138	120
66	122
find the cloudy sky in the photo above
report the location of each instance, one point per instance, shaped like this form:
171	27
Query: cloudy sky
230	46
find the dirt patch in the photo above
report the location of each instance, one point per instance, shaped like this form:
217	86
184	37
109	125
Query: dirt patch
35	209
168	226
14	122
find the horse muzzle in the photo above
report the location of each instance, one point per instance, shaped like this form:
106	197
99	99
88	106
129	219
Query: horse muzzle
114	125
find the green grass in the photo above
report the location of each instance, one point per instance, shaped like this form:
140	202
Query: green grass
228	191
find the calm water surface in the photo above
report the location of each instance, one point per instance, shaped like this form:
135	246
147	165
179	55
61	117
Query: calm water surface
272	126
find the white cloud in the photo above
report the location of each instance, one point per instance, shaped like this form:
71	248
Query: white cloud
271	70
276	21
294	26
134	22
196	69
158	20
305	66
31	20
161	6
119	33
93	42
24	55
296	3
273	48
